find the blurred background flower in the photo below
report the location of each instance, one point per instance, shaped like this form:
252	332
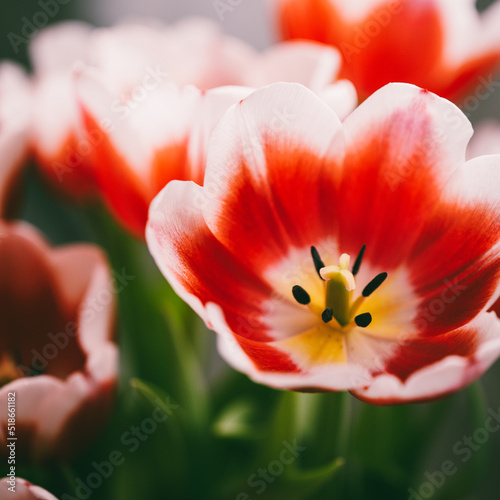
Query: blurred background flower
377	40
23	490
58	358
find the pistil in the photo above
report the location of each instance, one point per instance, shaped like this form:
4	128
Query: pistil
339	285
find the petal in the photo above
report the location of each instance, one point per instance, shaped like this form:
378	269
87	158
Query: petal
376	38
456	265
212	105
62	149
69	295
97	306
73	266
27	283
197	265
437	373
145	145
402	146
60	46
287	375
267	159
15	122
311	64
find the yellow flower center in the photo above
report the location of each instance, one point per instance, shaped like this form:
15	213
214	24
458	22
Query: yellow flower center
340	309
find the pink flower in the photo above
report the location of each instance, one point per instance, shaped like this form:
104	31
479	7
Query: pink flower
266	251
58	361
15	122
441	45
22	490
151	117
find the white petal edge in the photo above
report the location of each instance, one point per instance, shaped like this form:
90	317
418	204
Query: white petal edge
450	128
441	378
287	113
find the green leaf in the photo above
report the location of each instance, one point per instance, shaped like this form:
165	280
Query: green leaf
156	396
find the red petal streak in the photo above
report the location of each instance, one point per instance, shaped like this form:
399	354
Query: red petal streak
267	358
388	188
207	270
418	353
293	206
171	163
70	170
450	270
382	48
308	19
304	188
378	50
126	194
473	76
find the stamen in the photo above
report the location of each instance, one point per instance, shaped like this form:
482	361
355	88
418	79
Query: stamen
318	263
327	315
300	295
359	259
374	284
363	320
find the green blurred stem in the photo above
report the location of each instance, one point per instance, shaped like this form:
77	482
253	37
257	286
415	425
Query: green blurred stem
477	399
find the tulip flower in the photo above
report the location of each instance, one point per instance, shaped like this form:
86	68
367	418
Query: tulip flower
157	130
443	46
15	122
22	490
332	256
58	365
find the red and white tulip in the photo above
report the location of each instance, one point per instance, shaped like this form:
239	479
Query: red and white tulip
444	46
266	251
58	360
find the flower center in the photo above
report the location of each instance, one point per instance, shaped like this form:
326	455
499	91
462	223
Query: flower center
340	306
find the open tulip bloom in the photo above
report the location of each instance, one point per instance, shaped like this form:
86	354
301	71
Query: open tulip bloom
332	256
442	45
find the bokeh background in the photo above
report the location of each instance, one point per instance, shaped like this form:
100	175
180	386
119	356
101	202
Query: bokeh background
250	20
